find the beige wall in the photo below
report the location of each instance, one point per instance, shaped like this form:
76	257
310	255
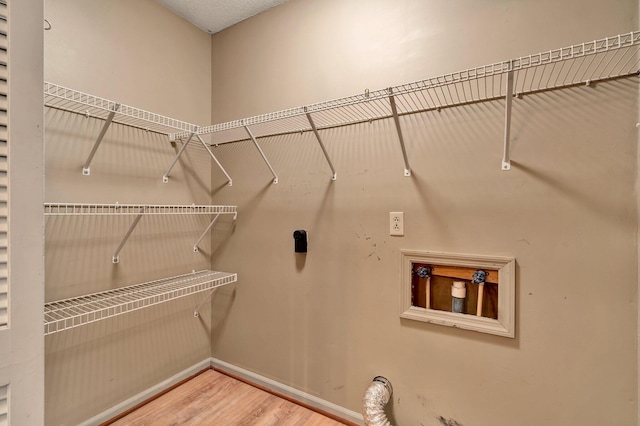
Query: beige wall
328	323
139	54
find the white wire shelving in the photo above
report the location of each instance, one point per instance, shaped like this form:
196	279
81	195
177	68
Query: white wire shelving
579	64
71	100
77	311
139	210
80	209
584	63
64	98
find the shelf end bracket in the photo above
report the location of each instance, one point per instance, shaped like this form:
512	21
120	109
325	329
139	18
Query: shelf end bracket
396	119
86	169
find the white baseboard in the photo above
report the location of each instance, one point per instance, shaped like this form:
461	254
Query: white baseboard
146	394
247	375
289	391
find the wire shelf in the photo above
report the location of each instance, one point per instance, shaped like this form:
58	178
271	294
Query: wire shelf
78	209
60	97
583	63
70	313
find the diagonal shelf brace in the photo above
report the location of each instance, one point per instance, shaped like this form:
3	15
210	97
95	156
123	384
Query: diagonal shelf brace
86	169
315	132
255	142
116	254
165	176
215	218
506	161
196	312
215	159
195	246
396	119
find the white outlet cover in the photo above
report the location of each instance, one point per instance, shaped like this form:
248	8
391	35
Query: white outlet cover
396	223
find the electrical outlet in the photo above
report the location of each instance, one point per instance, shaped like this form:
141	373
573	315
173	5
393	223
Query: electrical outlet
396	223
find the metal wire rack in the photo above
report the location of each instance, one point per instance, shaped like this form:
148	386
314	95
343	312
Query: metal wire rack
64	98
73	312
584	63
79	209
139	210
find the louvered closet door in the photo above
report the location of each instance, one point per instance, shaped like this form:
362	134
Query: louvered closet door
4	278
4	283
21	198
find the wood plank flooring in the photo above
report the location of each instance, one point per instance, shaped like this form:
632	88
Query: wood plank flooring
213	398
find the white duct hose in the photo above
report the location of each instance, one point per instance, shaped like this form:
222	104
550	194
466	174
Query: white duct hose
375	398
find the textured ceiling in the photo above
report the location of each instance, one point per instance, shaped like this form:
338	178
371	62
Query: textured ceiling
213	16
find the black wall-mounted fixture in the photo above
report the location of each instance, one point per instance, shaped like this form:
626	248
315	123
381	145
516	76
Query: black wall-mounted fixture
300	239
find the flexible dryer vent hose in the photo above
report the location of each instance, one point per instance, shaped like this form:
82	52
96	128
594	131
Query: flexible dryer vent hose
375	398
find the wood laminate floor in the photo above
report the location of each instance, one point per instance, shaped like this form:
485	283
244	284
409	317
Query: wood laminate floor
215	399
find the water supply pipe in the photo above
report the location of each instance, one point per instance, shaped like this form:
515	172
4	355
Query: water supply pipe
375	398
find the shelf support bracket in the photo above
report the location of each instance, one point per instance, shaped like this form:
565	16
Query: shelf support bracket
396	119
324	150
165	176
255	142
506	161
86	169
195	246
196	312
116	254
215	159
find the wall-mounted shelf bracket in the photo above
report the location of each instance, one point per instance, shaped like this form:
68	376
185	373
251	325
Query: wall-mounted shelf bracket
255	142
215	159
396	119
315	132
196	312
215	218
86	169
165	176
506	161
213	221
116	254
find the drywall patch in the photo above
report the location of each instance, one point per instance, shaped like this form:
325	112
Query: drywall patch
448	422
